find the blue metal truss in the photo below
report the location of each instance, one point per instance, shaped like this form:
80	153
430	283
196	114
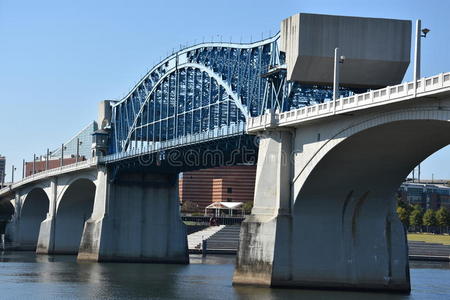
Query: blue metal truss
206	92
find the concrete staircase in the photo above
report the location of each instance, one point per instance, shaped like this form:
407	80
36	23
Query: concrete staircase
195	239
222	239
225	241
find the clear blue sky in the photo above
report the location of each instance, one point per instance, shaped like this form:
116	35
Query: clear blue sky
58	59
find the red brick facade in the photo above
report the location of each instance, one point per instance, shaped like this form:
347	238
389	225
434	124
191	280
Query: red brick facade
227	184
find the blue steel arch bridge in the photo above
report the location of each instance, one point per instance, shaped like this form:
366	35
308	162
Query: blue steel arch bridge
201	97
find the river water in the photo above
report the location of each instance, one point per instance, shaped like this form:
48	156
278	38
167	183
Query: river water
24	275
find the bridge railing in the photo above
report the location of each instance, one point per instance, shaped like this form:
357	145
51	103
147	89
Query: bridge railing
216	133
385	95
52	172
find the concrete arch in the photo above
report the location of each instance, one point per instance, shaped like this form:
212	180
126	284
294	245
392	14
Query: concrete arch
74	208
417	113
33	211
68	181
347	198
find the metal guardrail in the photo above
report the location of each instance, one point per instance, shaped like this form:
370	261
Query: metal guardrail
217	133
400	92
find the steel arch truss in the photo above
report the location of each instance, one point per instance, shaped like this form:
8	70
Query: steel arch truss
211	87
189	100
196	90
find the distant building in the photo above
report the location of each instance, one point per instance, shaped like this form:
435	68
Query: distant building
224	184
2	169
427	195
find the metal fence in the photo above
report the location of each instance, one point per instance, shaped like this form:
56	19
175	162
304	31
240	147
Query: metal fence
220	220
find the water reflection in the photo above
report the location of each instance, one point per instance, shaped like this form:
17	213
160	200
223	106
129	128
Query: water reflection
26	275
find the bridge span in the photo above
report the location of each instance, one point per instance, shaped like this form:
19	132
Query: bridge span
327	168
324	213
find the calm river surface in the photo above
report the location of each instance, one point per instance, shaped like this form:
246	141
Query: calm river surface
23	275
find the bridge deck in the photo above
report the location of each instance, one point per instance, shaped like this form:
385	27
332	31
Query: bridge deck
82	165
429	86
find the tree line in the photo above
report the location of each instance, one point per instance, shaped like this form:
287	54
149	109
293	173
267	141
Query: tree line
415	216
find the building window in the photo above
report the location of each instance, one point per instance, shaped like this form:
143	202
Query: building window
229	190
229	199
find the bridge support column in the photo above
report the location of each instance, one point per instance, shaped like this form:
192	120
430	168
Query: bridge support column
135	219
264	254
46	239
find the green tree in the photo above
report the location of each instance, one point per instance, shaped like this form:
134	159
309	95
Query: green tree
404	204
429	218
443	217
248	207
418	207
415	218
403	214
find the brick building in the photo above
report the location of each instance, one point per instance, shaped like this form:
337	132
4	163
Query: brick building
223	184
427	195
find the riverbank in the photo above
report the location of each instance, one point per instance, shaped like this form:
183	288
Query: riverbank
224	240
25	275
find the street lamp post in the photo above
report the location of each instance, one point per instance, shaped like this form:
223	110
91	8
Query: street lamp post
338	59
46	159
62	156
34	163
420	33
12	173
78	150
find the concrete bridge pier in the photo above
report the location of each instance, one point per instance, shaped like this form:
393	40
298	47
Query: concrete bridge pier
339	231
264	254
45	242
135	219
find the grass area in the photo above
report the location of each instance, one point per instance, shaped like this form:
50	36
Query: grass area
430	238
